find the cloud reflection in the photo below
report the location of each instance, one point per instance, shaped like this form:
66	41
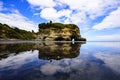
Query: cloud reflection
108	44
14	62
111	60
92	63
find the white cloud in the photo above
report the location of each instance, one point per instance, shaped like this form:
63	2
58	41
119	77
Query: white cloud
16	19
78	11
111	21
49	14
64	12
77	18
64	15
112	37
93	8
42	3
53	14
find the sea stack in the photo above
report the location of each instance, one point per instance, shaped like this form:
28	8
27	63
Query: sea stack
59	32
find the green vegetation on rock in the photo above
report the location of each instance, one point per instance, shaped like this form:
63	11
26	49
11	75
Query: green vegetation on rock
6	32
56	25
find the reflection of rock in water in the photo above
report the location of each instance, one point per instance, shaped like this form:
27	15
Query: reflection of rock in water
8	49
47	50
58	51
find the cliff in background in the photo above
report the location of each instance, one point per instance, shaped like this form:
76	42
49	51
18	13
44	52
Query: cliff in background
59	32
7	33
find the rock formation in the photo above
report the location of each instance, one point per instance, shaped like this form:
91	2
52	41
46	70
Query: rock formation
59	32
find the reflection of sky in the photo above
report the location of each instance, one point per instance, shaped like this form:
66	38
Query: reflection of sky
108	44
91	61
108	52
14	62
111	60
95	62
102	59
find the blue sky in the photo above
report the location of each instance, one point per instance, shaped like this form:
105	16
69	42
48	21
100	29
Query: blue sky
98	20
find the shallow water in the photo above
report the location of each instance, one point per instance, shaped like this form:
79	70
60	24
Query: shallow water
60	61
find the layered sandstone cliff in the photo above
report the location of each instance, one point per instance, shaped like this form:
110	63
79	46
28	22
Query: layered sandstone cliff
59	32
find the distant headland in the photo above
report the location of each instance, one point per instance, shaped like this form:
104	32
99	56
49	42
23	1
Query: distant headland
47	32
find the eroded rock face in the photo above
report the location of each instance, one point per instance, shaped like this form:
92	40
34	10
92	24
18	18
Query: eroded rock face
66	33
